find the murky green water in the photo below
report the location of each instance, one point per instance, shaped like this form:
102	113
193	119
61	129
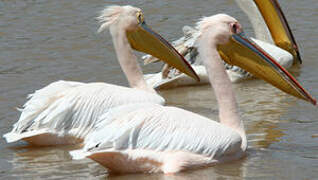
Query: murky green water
42	41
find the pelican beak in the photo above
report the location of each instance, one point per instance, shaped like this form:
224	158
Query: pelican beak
243	52
144	39
278	26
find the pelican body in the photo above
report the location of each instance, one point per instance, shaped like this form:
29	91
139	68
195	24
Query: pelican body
153	138
64	112
272	34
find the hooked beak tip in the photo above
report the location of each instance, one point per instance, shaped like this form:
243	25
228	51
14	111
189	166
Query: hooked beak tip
299	58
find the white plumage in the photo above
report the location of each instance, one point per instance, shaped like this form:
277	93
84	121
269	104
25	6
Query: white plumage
71	108
162	128
135	129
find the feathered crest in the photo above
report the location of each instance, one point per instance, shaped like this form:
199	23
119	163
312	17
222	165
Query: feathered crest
108	16
205	22
201	24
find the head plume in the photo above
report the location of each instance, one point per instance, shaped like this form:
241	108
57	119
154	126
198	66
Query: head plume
113	14
108	16
206	22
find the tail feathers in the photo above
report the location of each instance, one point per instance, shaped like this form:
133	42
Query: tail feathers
13	136
79	154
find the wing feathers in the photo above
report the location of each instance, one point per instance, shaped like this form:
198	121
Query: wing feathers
68	107
161	128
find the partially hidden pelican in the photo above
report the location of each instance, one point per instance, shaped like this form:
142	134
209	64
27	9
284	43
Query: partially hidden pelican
64	112
272	34
153	138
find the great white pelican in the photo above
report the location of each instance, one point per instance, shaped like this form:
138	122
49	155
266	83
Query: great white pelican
64	111
272	34
153	138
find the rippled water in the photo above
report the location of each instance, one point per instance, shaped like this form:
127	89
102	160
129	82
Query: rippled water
42	41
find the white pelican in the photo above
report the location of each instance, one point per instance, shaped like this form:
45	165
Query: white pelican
272	34
64	112
153	138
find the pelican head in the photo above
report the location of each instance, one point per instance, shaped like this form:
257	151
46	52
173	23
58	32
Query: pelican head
227	34
130	21
120	18
220	27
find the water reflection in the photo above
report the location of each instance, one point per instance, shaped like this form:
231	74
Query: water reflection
52	163
235	170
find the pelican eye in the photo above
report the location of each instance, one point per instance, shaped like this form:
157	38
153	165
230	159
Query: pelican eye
234	28
140	17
